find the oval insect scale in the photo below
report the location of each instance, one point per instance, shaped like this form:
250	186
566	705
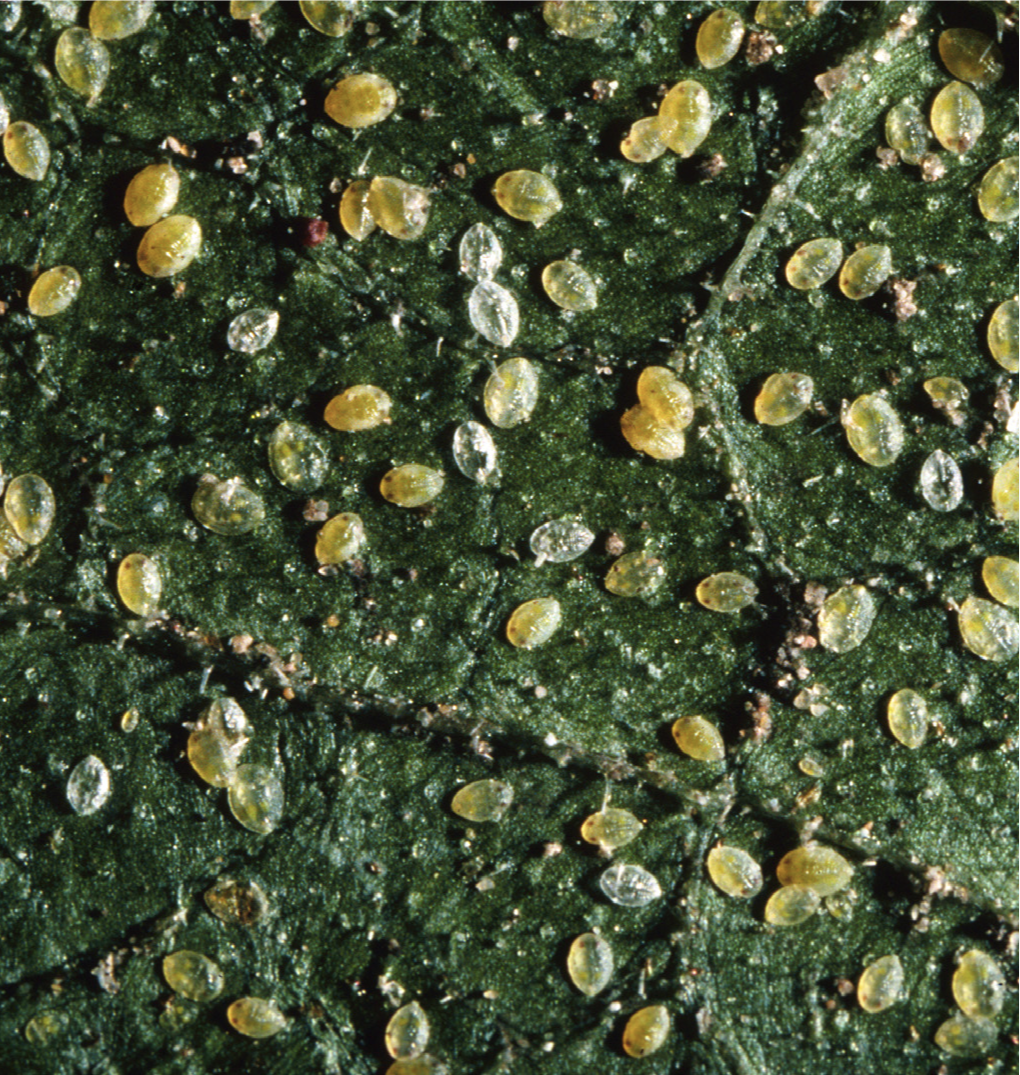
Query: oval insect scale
227	507
636	574
570	286
1004	334
298	457
734	872
699	739
907	714
978	985
407	1032
360	407
783	398
1002	578
480	253
355	216
665	397
193	975
255	795
528	196
54	291
253	330
630	886
511	393
726	592
139	584
690	107
533	623
82	62
648	139
1005	491
30	507
645	433
330	17
988	630
719	38
907	131
169	246
482	800
256	1018
249	9
865	271
957	117
237	903
361	101
813	866
411	485
965	1037
873	430
151	194
340	539
26	150
88	786
474	452
880	984
611	828
845	619
971	56
580	19
941	481
400	209
997	194
559	541
590	963
113	20
792	905
646	1031
217	742
814	263
494	313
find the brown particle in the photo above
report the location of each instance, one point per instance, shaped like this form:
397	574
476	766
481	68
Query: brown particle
830	81
932	167
615	543
902	292
887	158
315	511
241	643
312	231
602	89
761	46
459	169
238	165
710	167
332	620
844	987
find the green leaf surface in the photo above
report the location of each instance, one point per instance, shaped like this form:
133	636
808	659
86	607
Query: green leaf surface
380	689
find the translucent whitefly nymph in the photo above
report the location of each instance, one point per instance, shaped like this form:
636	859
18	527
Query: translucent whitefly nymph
636	574
483	800
30	507
845	618
610	828
865	271
1001	576
253	330
169	246
630	886
726	592
648	139
579	19
407	1032
217	742
88	786
814	263
907	131
494	313
881	984
979	986
474	452
646	433
817	867
941	481
237	903
82	62
255	796
528	196
1004	334
719	38
971	56
113	20
480	253
255	1017
411	485
361	100
533	623
734	872
227	507
967	1038
988	630
54	291
570	286
139	584
559	541
690	106
1006	490
783	398
590	963
791	905
665	397
151	194
193	975
334	18
699	739
340	539
646	1031
360	407
873	430
997	194
26	150
957	117
298	457
354	214
511	393
400	209
907	714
